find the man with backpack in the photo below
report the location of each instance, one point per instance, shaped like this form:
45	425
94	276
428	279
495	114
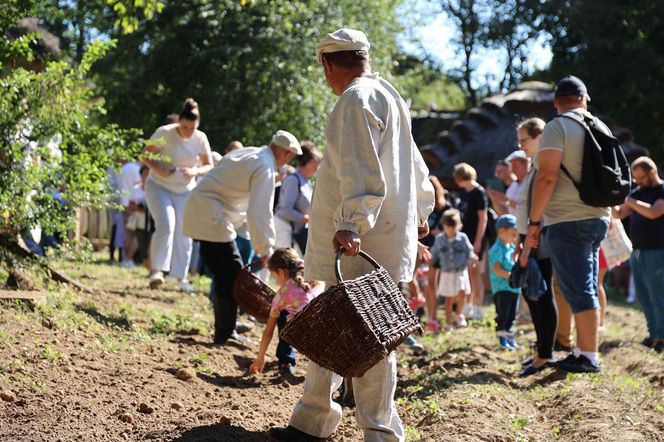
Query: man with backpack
576	226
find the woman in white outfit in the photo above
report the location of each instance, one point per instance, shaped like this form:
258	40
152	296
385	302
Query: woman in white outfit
184	154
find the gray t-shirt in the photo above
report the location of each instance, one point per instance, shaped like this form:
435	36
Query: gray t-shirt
568	136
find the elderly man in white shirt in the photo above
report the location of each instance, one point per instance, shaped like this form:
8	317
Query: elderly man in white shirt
238	190
372	190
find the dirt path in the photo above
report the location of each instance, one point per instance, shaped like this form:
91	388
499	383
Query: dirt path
105	368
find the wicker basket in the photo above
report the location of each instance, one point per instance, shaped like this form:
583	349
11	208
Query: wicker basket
354	324
253	295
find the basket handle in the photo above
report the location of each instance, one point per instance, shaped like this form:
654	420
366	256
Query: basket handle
337	264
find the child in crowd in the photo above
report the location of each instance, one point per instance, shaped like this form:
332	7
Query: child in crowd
505	298
293	295
451	253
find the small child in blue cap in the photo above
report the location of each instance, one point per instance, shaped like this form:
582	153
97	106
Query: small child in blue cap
505	298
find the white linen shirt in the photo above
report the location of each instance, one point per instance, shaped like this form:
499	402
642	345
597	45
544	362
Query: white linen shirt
238	190
130	175
372	181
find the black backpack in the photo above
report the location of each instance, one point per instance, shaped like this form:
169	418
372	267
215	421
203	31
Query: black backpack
605	174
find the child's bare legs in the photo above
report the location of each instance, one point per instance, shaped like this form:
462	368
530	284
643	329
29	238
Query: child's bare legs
460	302
601	294
432	298
131	246
432	303
449	304
476	285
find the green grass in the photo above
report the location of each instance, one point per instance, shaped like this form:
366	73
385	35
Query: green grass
39	387
412	434
50	354
199	359
555	432
16	365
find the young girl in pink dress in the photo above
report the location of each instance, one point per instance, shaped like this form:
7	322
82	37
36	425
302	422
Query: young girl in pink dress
293	295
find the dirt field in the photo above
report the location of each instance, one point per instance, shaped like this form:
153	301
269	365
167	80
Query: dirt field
104	367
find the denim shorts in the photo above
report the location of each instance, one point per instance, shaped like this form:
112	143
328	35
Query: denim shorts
574	250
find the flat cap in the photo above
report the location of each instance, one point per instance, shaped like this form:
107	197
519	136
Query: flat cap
287	141
343	39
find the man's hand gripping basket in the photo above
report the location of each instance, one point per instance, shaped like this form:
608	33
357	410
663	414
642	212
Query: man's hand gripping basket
353	324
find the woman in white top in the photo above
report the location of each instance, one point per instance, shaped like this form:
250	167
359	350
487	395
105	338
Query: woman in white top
184	154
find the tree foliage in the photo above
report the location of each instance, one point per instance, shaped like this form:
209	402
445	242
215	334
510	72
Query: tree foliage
618	50
11	49
250	65
506	26
426	87
51	142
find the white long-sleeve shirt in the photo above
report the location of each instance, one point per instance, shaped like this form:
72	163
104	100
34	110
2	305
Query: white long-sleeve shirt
239	189
130	175
372	181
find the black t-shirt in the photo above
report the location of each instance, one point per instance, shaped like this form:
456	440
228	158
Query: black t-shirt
471	202
647	233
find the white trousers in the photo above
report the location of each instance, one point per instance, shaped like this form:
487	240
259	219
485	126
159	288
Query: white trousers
168	244
376	413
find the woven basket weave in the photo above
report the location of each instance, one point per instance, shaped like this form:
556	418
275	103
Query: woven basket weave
253	295
353	324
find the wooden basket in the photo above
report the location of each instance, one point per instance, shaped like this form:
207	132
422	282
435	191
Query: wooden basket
253	295
353	324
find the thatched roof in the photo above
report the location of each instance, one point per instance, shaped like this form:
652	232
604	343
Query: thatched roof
487	133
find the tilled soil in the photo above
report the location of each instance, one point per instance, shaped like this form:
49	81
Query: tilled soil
134	364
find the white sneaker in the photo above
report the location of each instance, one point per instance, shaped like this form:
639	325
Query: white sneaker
477	313
156	279
468	311
129	264
185	286
631	298
461	321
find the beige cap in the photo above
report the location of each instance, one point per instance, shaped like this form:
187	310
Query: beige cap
342	40
287	141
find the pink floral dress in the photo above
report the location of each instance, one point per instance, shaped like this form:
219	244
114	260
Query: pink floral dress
291	298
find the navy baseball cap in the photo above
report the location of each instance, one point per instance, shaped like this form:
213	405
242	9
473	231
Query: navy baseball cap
571	85
506	221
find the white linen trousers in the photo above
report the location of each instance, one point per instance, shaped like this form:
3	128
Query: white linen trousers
170	248
375	410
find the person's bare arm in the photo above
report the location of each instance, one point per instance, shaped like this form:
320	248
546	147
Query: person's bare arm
650	211
621	211
498	270
206	164
545	183
259	363
482	220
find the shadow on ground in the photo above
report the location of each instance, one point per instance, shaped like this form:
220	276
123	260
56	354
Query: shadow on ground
120	322
218	432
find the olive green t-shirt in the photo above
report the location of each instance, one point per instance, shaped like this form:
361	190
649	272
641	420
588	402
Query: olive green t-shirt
568	136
